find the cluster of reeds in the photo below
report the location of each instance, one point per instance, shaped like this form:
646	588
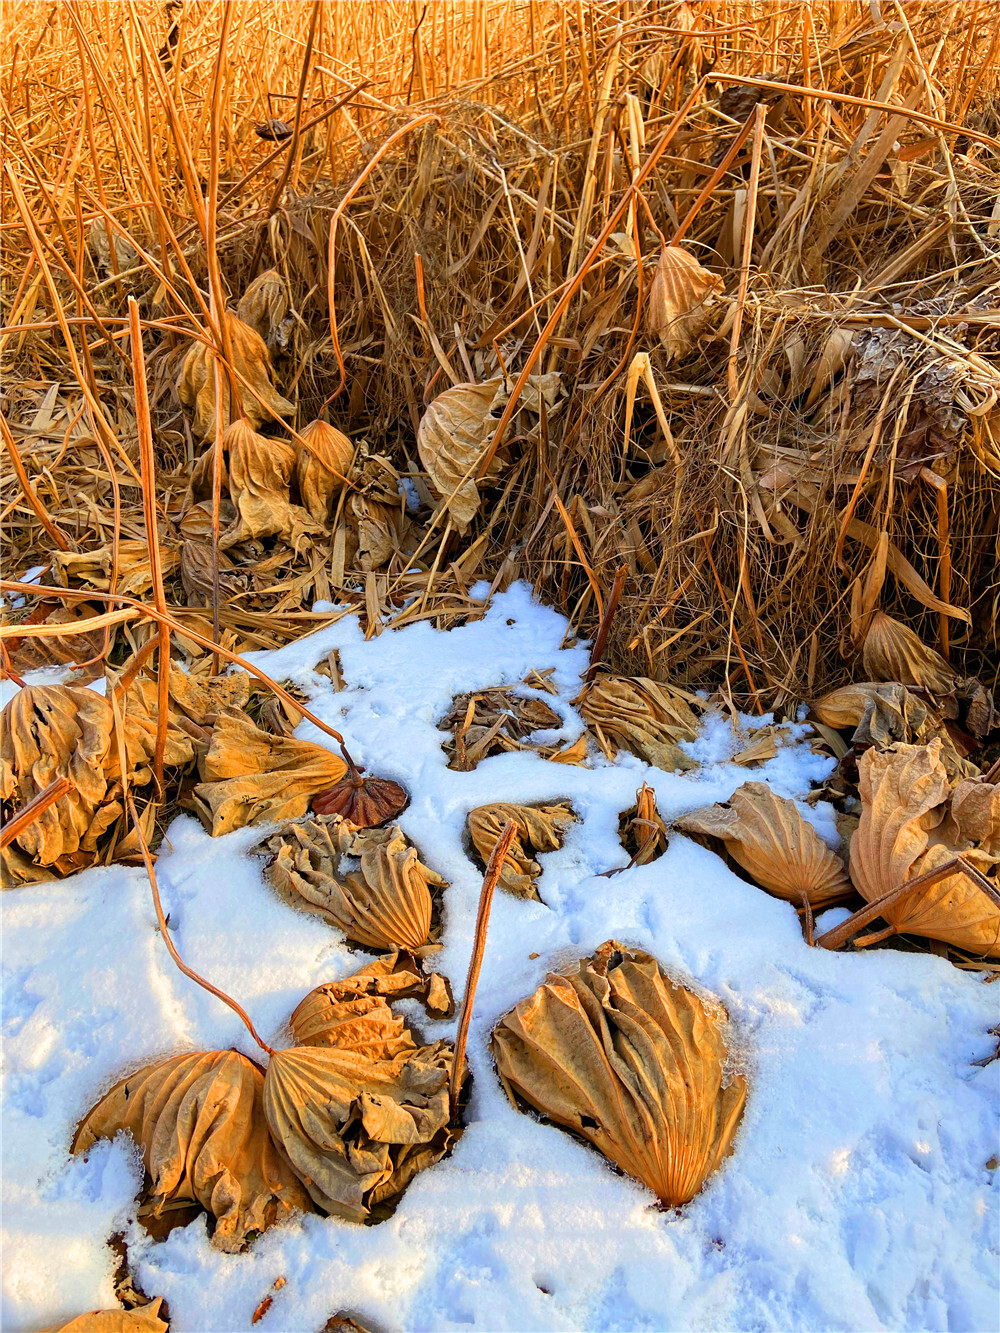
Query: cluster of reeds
467	191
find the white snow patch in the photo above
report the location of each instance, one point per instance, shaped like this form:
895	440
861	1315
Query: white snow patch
857	1196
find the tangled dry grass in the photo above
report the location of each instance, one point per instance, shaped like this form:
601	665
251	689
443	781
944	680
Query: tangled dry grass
467	191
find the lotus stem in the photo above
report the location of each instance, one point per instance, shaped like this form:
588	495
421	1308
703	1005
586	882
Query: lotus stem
37	806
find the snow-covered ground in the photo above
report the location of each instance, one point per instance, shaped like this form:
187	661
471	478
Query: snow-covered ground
858	1196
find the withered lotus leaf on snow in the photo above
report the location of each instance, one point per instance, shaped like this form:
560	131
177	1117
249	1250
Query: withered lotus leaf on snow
457	427
636	1064
383	904
355	1013
50	731
539	829
679	299
362	801
639	715
911	825
142	1319
198	1122
766	835
323	467
642	831
251	777
357	1130
892	652
252	360
485	722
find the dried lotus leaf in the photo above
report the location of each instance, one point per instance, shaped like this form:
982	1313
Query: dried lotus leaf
363	801
252	361
539	829
632	1062
135	576
892	652
196	521
679	300
264	306
197	574
250	777
260	473
142	1319
494	721
31	654
50	731
198	1121
355	1013
451	440
766	835
641	716
194	706
643	833
903	833
322	468
357	1130
384	904
974	817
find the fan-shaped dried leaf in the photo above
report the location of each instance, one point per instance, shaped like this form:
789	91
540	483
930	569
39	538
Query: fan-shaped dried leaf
260	473
194	707
135	576
252	360
30	654
364	802
633	1062
357	1130
322	469
892	652
539	829
51	731
455	430
907	826
198	1121
766	835
263	307
384	904
680	299
355	1015
143	1319
250	777
639	715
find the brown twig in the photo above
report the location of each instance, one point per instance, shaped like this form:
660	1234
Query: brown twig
171	947
38	804
604	629
493	870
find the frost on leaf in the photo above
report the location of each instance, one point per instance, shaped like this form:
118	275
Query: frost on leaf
322	468
251	777
197	1119
631	1061
355	1013
369	883
639	715
912	824
680	300
251	361
892	652
539	829
356	1129
456	429
141	1319
766	835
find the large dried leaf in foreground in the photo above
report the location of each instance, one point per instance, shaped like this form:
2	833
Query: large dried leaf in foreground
539	829
766	835
679	299
198	1121
143	1319
892	652
252	361
355	1014
357	1130
49	731
383	904
251	777
634	1063
639	715
909	826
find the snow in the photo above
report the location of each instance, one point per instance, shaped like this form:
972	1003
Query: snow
857	1197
